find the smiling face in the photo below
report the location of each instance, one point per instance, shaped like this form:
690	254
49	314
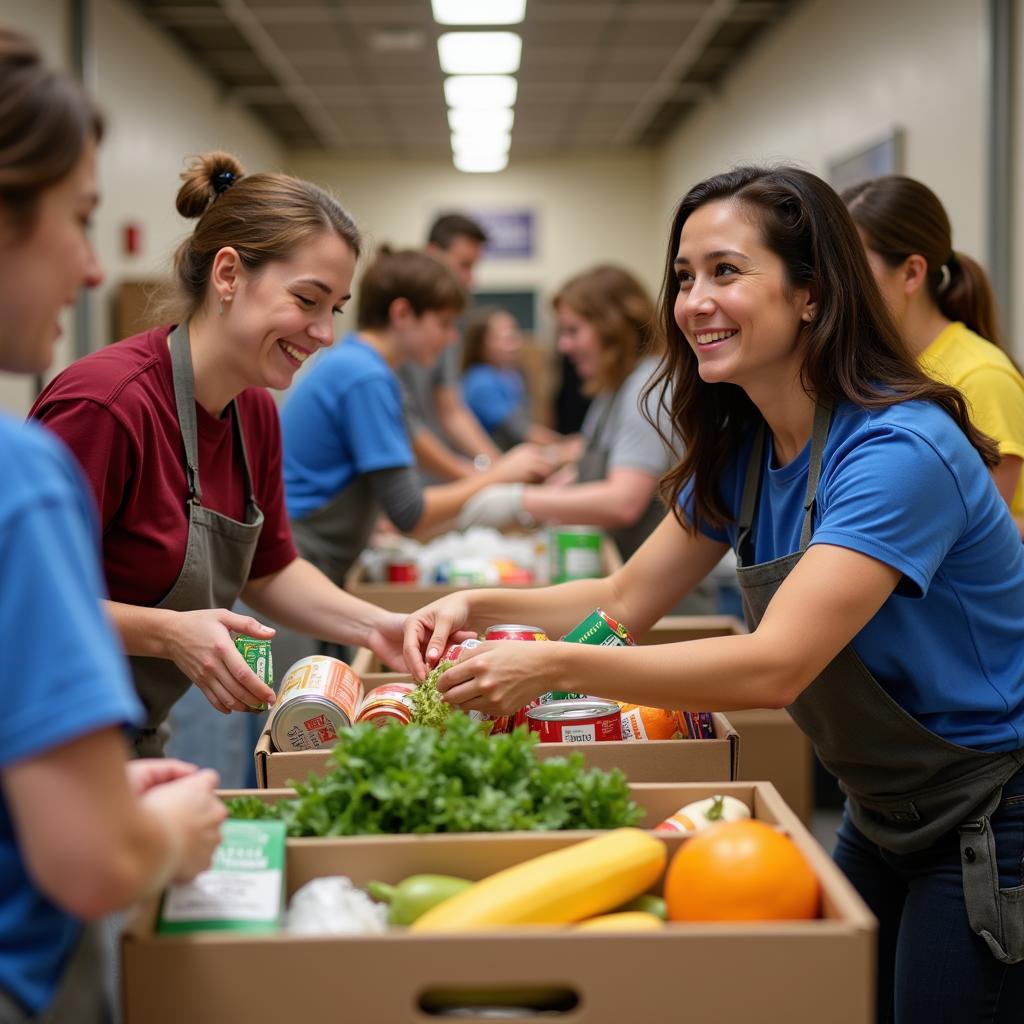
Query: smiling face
503	344
735	306
578	339
279	316
42	272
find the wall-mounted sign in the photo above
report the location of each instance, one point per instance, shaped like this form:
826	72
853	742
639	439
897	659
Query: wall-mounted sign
511	234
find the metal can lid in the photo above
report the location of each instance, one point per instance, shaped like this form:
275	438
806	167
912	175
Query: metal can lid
298	711
514	627
567	710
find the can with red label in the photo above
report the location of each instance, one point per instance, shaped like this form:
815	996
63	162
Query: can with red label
318	697
391	702
454	651
403	571
515	631
576	721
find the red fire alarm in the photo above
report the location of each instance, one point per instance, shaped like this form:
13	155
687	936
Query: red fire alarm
131	238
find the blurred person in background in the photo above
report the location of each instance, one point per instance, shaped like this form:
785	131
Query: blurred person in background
447	440
943	303
83	831
492	381
180	441
347	454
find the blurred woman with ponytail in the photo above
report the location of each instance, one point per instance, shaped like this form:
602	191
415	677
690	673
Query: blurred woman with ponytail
181	443
943	304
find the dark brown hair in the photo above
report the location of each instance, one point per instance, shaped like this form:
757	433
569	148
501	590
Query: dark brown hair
900	217
852	350
450	226
622	313
474	334
46	121
422	280
265	217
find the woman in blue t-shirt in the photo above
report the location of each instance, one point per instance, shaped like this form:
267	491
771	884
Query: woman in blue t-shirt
492	379
883	581
82	831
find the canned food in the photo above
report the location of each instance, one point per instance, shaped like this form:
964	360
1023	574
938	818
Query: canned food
403	571
259	658
391	702
515	631
318	696
643	723
576	721
696	725
600	629
454	651
575	553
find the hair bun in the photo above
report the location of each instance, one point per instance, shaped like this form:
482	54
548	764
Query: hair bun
205	178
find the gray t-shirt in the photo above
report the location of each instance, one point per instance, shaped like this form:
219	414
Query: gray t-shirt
631	442
418	384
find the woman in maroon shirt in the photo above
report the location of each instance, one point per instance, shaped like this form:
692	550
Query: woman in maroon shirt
181	443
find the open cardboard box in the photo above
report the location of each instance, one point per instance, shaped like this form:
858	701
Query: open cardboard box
801	972
409	597
641	761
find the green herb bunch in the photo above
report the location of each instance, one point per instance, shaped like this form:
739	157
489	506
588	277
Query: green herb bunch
428	706
414	779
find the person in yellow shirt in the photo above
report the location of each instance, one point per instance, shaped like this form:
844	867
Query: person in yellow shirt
943	304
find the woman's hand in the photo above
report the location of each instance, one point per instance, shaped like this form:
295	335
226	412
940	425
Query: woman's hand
429	631
502	676
526	463
385	640
496	506
200	644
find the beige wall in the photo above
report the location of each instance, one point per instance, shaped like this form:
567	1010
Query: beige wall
160	108
839	74
587	210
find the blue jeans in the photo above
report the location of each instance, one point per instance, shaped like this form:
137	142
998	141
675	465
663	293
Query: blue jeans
932	969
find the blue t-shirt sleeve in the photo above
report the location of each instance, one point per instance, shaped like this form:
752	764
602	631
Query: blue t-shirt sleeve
893	496
374	427
489	400
64	674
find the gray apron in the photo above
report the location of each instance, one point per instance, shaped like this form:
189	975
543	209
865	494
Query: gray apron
593	465
218	556
905	786
333	536
80	997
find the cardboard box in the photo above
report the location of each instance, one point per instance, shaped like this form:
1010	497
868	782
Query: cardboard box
649	761
409	597
773	747
801	972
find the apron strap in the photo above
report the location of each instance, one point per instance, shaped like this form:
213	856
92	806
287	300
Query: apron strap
819	435
185	400
751	490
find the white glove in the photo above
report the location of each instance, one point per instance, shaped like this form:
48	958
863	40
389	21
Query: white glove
498	505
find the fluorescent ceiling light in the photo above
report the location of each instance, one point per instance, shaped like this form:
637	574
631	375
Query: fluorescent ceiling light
478	12
481	142
478	91
479	53
482	119
482	164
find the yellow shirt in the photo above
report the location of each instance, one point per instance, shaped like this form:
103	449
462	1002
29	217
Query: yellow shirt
991	384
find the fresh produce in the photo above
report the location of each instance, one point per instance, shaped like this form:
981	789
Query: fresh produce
646	903
740	871
332	905
410	779
627	921
703	813
415	895
428	706
560	887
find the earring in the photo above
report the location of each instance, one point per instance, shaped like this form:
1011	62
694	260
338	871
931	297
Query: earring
223	299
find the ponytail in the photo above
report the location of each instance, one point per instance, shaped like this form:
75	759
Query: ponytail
966	295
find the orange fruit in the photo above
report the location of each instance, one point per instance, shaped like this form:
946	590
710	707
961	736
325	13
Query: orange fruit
740	871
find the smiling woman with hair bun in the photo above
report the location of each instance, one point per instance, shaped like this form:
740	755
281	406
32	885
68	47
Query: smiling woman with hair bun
180	441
